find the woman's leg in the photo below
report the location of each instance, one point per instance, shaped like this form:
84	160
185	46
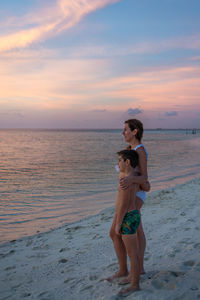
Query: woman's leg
141	239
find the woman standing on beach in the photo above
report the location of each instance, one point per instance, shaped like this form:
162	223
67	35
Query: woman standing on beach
133	132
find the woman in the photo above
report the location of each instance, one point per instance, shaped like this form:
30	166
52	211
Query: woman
133	132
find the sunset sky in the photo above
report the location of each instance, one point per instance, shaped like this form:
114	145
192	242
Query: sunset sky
96	63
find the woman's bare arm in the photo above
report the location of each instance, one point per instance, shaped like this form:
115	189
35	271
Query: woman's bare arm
142	178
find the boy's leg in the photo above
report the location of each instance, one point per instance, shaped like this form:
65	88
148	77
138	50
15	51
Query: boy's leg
120	251
130	241
141	242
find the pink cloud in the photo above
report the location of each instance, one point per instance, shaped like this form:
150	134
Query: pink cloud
160	89
49	22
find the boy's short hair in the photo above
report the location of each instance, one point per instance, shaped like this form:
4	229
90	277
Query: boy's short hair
132	155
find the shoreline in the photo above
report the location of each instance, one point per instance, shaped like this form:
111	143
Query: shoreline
71	261
150	196
98	196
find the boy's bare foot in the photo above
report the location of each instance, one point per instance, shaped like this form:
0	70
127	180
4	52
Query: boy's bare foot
127	280
124	281
128	291
116	276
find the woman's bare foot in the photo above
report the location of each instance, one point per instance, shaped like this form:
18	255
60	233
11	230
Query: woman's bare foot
116	276
128	291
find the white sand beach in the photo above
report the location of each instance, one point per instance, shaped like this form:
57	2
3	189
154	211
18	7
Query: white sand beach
71	262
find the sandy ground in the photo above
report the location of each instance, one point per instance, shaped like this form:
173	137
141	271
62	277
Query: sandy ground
71	262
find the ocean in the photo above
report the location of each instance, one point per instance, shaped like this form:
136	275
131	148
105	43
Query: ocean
53	177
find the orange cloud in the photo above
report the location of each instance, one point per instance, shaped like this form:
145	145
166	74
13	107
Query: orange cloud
24	38
49	22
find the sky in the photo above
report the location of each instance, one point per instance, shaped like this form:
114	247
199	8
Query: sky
96	63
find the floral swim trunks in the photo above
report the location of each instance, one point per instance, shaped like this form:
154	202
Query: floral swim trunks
131	222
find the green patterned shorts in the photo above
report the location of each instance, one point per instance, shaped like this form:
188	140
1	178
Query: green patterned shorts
131	222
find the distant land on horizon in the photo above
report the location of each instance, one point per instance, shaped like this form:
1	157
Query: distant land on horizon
100	129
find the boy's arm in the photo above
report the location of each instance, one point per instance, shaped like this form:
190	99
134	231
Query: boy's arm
122	208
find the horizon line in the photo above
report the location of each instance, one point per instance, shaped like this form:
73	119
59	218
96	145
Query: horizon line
92	129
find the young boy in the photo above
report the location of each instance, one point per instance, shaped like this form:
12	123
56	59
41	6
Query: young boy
125	223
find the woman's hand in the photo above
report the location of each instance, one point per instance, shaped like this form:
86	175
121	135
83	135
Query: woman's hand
125	182
145	186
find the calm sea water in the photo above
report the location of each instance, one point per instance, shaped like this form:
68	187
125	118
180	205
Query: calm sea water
51	177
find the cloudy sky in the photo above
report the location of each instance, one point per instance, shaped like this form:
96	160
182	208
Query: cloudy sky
96	63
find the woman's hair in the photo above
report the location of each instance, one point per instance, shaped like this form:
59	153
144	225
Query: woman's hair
136	124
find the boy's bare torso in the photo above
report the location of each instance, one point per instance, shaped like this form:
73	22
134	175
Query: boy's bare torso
131	199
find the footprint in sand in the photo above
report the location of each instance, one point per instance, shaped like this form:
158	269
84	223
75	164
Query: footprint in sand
63	260
41	247
29	243
105	218
197	246
70	269
14	287
26	295
10	268
13	241
64	249
69	236
189	263
3	255
72	229
157	284
187	229
194	288
177	250
146	258
190	220
93	277
177	273
86	288
68	280
97	236
183	214
112	265
42	294
197	267
166	280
